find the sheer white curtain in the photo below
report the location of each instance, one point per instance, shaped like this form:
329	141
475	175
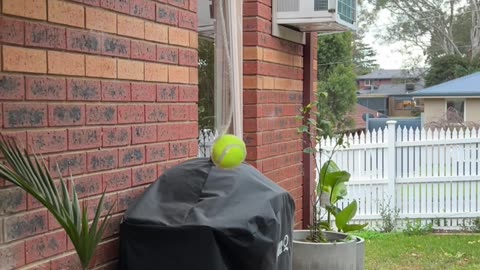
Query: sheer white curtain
228	67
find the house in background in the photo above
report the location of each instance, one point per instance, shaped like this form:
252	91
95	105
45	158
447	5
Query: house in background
459	98
360	116
387	91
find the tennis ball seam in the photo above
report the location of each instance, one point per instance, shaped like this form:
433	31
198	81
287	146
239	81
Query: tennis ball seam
228	148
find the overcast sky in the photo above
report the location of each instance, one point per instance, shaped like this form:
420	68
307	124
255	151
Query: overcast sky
389	56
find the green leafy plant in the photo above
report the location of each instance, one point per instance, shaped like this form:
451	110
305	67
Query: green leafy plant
417	228
389	217
32	175
331	186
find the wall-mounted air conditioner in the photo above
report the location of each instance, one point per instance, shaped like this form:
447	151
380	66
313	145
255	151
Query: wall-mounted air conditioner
317	15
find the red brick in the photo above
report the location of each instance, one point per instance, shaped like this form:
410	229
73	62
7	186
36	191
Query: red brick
71	262
193	112
127	197
45	36
143	51
11	31
143	8
178	113
25	225
156	113
193	148
257	9
144	175
167	15
89	185
188	130
66	115
163	167
112	229
102	160
109	202
20	138
167	132
83	41
43	88
119	180
167	54
84	138
115	91
179	3
188	93
107	251
157	152
268	41
47	141
144	92
131	114
131	156
144	134
114	46
92	2
13	200
24	115
187	19
116	136
193	5
45	246
101	114
167	93
179	150
188	58
12	256
256	24
67	164
86	90
12	87
117	5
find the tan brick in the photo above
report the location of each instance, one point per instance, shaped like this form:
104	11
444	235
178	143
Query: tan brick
277	57
252	53
252	82
100	19
98	66
156	32
178	36
194	40
66	13
268	83
193	75
129	26
288	84
66	63
34	9
25	60
156	72
178	74
130	70
298	61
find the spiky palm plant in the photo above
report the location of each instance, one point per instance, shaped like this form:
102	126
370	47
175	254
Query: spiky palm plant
32	175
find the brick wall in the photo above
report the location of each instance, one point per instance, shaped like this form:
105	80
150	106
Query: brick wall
273	95
106	89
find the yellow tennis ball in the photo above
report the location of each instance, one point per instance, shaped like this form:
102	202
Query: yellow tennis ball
228	151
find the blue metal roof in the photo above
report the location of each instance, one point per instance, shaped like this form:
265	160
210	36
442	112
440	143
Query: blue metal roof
467	86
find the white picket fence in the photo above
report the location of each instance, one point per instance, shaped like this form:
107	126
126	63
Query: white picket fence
433	176
206	137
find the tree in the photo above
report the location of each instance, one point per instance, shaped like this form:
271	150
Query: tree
363	57
337	87
425	23
206	83
450	67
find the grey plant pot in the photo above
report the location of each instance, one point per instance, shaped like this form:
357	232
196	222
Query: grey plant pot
327	256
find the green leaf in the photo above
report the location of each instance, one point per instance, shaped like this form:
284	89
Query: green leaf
302	129
346	215
338	192
309	150
353	227
327	168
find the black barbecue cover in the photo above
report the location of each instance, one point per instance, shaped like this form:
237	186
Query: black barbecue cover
197	216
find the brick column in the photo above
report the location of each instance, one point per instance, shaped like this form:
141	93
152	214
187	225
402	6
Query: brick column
273	95
106	89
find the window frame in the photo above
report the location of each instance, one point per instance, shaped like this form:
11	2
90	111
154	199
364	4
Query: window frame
456	100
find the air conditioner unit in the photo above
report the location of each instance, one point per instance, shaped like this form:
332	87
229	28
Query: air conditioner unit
317	15
206	19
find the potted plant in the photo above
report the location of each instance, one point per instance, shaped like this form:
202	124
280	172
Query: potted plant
322	246
31	175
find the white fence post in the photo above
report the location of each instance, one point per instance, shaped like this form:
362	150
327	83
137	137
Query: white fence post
391	140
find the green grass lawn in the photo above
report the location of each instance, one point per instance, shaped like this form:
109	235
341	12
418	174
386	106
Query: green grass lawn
398	251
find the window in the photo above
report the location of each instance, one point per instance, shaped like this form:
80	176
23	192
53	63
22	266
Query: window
404	103
455	110
367	82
